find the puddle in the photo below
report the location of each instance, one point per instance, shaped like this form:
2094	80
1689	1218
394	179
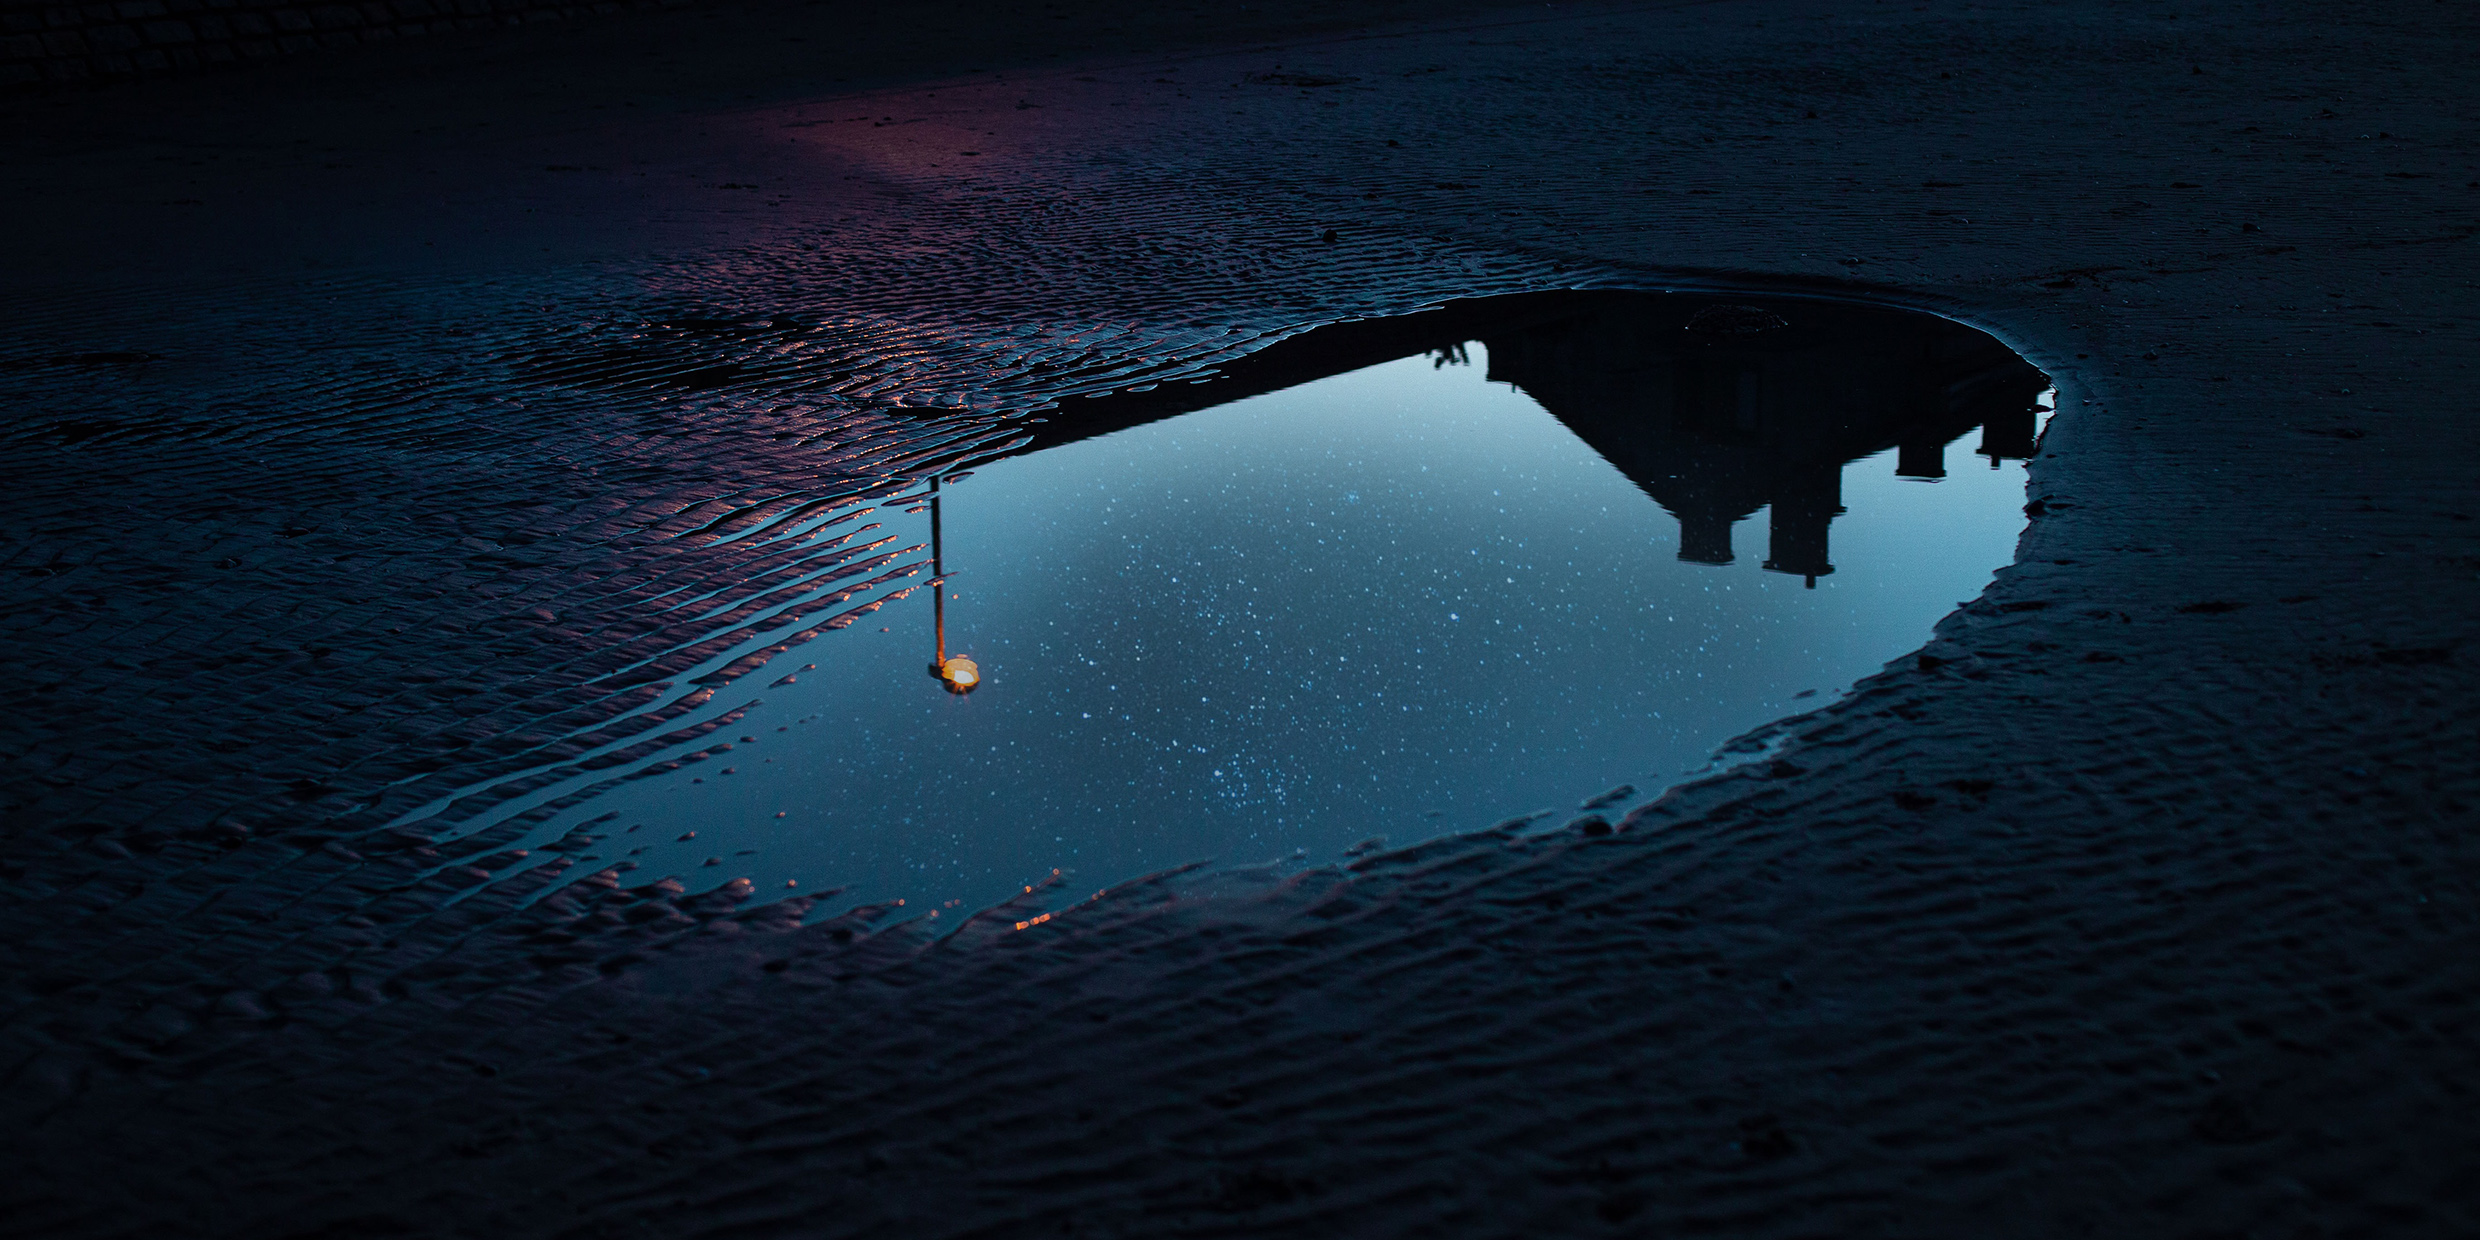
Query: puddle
1393	578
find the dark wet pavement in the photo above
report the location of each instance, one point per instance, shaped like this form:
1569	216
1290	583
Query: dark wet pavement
2139	902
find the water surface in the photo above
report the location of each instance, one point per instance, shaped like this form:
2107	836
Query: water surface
1566	545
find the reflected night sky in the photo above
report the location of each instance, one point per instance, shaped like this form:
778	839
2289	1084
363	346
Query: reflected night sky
1566	543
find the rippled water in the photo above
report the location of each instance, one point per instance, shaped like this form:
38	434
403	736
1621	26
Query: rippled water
1564	545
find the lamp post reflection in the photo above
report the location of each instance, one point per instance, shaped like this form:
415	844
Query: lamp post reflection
959	674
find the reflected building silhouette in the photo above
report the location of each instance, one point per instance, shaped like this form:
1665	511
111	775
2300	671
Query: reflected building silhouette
1718	409
1716	406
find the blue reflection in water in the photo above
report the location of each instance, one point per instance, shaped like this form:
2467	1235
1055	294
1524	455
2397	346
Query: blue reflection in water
1398	601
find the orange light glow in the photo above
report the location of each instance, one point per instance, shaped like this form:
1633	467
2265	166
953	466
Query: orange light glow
960	674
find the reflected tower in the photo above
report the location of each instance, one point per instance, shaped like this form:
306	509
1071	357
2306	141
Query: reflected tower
1805	503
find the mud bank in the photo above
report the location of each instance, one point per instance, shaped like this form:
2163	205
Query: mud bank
372	419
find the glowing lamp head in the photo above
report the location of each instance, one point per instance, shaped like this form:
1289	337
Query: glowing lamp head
959	674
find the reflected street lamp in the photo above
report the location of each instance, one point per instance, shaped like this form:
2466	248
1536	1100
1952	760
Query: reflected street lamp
959	674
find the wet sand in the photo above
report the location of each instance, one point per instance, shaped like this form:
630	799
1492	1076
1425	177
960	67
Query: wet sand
348	474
